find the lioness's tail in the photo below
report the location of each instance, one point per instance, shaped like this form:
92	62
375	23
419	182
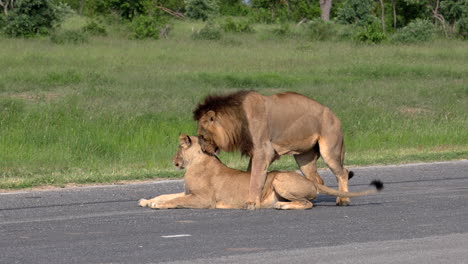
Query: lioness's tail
330	191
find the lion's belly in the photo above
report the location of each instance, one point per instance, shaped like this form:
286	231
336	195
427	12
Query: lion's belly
286	146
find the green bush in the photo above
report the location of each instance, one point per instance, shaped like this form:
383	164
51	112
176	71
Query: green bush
144	27
94	29
462	27
284	29
209	32
371	33
239	26
346	32
69	36
126	9
305	9
231	8
201	9
31	17
417	31
268	16
318	29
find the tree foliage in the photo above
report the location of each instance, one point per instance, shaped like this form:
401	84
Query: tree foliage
356	12
201	9
31	17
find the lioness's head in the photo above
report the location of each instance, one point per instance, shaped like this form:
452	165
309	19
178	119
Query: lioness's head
189	150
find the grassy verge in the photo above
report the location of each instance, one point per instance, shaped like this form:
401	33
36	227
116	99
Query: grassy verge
112	109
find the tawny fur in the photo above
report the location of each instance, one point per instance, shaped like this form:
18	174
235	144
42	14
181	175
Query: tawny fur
266	127
211	184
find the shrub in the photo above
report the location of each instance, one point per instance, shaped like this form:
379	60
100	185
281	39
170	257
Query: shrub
201	9
144	27
208	32
346	32
305	9
232	8
318	29
283	29
69	36
127	9
371	33
31	17
241	26
269	16
462	27
417	31
94	29
62	11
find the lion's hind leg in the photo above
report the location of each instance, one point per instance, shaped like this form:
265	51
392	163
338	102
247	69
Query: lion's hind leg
307	162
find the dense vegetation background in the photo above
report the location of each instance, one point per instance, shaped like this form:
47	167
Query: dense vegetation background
98	91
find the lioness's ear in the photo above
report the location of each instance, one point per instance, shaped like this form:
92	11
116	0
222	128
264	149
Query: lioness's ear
185	141
211	115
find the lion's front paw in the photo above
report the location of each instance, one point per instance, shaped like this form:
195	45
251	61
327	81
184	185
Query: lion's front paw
143	202
342	201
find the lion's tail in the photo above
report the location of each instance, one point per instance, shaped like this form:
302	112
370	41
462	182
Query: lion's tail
330	191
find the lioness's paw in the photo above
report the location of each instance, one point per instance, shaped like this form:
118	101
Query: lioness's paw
143	202
250	206
153	205
278	206
342	201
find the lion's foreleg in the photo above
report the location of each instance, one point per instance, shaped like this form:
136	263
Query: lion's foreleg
186	201
260	163
159	199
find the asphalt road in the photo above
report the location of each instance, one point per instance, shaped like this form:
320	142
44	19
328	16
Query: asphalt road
420	217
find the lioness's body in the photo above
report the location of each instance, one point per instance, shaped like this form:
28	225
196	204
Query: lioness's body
211	184
266	127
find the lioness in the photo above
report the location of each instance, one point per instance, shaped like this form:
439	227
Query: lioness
211	184
266	127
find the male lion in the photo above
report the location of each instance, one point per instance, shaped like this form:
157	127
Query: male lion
266	127
211	184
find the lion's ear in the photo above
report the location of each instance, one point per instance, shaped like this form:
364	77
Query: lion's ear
211	115
185	141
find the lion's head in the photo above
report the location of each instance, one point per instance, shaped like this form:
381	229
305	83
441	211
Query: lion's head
222	124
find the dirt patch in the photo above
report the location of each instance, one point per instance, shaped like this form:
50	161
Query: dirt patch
48	97
414	110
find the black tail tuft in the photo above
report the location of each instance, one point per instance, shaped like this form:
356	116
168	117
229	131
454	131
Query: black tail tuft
350	175
378	184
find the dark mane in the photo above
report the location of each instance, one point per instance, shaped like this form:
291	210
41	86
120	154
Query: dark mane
229	106
219	103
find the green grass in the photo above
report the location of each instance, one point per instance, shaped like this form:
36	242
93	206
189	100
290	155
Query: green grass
112	109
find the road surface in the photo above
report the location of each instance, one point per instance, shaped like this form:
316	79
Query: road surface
421	216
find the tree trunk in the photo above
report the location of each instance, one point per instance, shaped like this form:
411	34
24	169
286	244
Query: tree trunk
5	6
82	5
394	13
325	7
382	16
